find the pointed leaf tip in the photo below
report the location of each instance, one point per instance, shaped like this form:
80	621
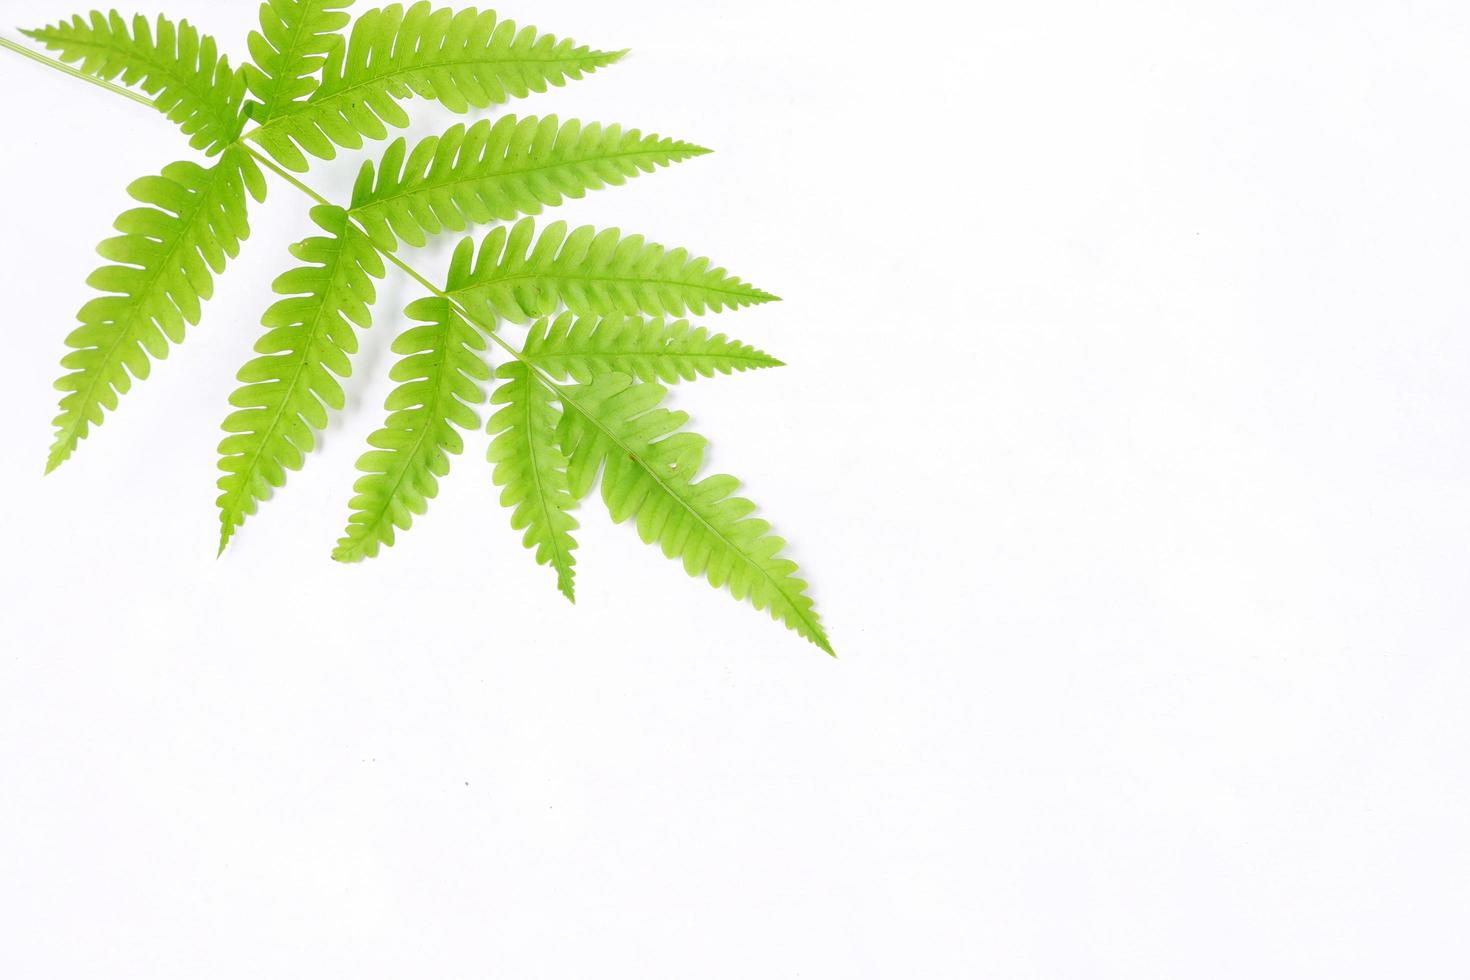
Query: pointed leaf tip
225	535
348	553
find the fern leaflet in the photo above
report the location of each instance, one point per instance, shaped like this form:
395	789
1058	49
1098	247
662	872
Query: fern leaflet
499	172
648	349
168	254
595	273
459	59
530	466
289	50
285	393
648	473
191	82
439	379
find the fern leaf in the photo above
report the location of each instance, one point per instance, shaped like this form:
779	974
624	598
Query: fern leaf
595	273
500	172
461	59
439	379
169	252
648	349
191	82
289	50
286	392
530	466
649	470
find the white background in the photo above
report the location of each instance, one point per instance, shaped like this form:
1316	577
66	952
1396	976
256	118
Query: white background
1125	438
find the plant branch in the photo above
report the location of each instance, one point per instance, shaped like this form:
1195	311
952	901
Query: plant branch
284	174
561	392
26	52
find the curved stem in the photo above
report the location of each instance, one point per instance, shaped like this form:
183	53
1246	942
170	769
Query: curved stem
284	174
24	51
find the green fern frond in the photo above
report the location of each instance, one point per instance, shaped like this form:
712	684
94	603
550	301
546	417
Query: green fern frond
285	393
648	474
289	50
605	309
595	273
439	380
461	59
530	466
648	349
500	172
191	82
169	253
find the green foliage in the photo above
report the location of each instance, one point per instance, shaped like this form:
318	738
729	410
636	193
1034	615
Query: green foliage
460	59
520	277
647	349
552	441
189	80
439	378
530	466
169	252
500	172
577	406
299	45
286	392
648	474
289	50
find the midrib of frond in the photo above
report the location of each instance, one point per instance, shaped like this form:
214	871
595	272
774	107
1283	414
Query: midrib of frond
278	81
429	187
665	353
182	242
430	410
753	296
269	433
326	99
560	563
393	72
628	451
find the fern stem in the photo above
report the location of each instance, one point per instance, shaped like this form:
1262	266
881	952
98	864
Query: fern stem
303	188
271	165
21	49
562	393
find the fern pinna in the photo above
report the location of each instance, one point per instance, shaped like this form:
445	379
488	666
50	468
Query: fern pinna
577	408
